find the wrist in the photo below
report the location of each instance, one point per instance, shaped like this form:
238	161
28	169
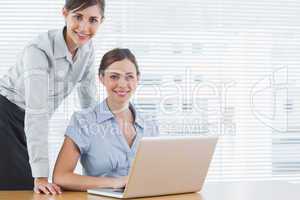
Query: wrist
107	182
41	179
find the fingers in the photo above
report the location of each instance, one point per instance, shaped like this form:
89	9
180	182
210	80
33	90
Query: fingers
36	190
48	189
51	189
57	188
43	189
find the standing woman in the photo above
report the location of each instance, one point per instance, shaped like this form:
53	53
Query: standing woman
46	72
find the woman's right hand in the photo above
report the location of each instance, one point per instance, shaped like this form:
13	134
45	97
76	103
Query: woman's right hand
119	182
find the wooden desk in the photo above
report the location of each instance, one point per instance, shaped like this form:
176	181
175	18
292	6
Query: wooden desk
20	195
212	191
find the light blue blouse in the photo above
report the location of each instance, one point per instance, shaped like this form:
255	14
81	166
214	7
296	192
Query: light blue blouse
103	148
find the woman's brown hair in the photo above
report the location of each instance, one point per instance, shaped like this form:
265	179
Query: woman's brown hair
117	55
77	5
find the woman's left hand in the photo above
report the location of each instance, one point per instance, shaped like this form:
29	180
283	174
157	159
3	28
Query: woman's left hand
41	185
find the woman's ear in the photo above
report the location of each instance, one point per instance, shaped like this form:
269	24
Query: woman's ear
101	79
65	12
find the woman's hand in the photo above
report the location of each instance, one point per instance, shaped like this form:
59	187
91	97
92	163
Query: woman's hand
119	182
41	185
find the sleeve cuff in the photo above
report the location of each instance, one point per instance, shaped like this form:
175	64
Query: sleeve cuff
71	133
40	169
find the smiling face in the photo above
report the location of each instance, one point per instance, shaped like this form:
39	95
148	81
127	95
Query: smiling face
120	80
82	25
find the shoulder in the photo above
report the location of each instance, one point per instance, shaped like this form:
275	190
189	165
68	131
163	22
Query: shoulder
85	116
38	53
81	122
79	129
44	42
33	57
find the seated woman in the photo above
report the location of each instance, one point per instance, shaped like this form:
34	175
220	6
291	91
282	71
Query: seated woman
105	137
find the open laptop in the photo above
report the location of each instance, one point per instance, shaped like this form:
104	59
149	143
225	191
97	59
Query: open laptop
166	165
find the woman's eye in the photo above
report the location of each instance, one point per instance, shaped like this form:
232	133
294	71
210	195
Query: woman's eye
114	77
129	77
93	21
78	17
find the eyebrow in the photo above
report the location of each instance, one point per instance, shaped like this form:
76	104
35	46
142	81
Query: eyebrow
79	14
116	73
95	17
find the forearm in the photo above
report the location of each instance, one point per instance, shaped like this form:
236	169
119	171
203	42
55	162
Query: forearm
36	122
72	181
36	130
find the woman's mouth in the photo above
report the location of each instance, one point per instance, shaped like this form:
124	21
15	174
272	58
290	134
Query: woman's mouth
121	93
82	36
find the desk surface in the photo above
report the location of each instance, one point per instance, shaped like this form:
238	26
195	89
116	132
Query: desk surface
275	190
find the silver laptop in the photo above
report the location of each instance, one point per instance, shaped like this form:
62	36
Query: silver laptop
166	165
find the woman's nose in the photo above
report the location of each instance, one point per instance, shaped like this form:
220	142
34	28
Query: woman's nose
83	26
122	82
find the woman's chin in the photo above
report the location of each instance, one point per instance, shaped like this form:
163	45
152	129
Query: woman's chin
121	99
81	42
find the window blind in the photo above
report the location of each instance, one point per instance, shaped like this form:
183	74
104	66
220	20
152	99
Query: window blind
229	68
